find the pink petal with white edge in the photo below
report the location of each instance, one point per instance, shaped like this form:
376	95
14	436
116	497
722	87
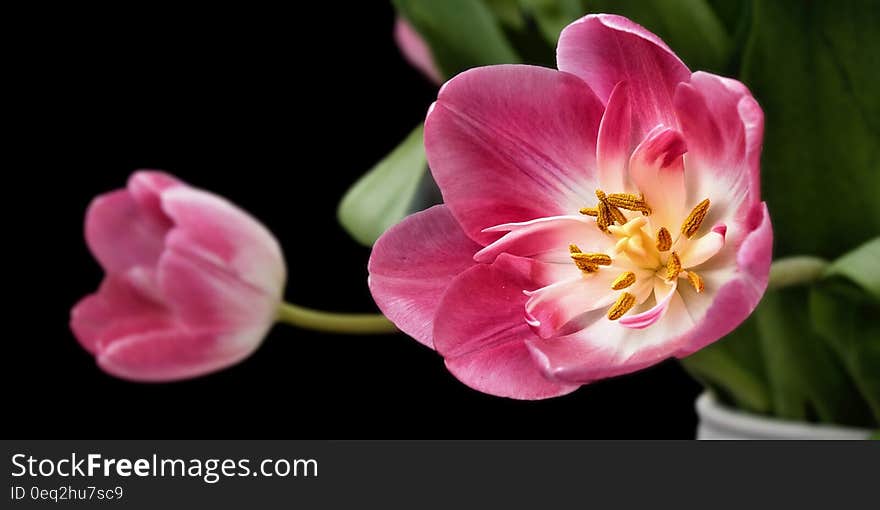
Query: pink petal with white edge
174	354
412	265
217	229
657	170
724	127
550	308
415	50
546	239
604	50
480	330
512	143
736	299
605	349
207	295
664	293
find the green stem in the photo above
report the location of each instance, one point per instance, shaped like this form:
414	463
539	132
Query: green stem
350	323
797	270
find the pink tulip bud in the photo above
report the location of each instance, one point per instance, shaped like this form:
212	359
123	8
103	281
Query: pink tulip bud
192	284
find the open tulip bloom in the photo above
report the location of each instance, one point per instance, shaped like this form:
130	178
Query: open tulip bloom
597	219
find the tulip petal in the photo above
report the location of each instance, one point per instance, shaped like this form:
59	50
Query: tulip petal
412	265
604	50
119	307
174	354
550	308
664	293
146	186
616	142
738	296
657	170
546	239
703	248
605	349
724	127
222	231
120	234
480	330
206	294
415	50
511	143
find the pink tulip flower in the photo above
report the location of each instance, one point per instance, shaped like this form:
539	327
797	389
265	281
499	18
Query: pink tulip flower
192	284
415	50
597	220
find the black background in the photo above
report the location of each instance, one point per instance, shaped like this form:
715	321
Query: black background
280	111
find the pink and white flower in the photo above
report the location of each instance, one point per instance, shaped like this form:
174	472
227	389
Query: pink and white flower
598	219
192	284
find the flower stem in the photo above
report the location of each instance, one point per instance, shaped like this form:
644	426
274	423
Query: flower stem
797	270
350	323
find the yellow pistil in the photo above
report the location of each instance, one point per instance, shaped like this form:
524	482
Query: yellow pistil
621	306
629	202
664	239
696	280
695	219
673	266
624	280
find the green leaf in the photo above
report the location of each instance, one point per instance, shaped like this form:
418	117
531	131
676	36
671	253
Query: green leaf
846	318
383	196
808	381
553	15
508	13
813	68
862	266
690	27
461	33
733	368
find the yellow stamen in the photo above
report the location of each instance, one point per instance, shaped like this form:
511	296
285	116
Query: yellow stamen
664	239
624	280
593	258
695	219
696	280
629	202
617	215
623	304
590	211
673	266
603	218
584	265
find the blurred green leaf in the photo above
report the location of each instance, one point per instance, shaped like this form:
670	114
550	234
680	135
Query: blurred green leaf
508	12
862	266
813	67
553	15
732	367
690	27
461	33
808	381
846	318
383	196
